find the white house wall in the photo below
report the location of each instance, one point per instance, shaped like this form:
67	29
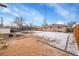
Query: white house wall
4	30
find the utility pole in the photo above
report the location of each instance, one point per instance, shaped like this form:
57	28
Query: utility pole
2	22
5	6
45	19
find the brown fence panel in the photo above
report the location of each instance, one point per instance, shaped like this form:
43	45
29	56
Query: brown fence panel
76	34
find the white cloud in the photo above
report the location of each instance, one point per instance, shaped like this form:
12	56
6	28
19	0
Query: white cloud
7	23
34	14
63	12
15	9
37	16
5	10
15	14
9	11
59	22
27	12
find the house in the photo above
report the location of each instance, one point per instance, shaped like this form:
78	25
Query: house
57	27
4	30
53	28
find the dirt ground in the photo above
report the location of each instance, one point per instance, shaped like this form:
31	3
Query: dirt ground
29	46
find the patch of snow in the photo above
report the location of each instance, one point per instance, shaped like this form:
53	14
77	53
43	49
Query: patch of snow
59	40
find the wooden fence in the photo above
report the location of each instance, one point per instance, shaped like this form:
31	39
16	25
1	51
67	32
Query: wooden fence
76	34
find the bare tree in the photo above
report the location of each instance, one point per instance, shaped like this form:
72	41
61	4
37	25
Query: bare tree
70	24
19	21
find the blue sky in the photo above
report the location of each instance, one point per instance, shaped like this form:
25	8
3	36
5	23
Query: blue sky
36	12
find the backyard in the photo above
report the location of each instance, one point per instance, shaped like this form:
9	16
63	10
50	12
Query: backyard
32	44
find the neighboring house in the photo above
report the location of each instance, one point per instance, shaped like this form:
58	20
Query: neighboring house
53	28
57	27
4	30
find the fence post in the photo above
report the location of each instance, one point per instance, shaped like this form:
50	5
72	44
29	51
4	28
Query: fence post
67	42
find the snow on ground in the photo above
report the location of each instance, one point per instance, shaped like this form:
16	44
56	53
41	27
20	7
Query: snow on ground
59	40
